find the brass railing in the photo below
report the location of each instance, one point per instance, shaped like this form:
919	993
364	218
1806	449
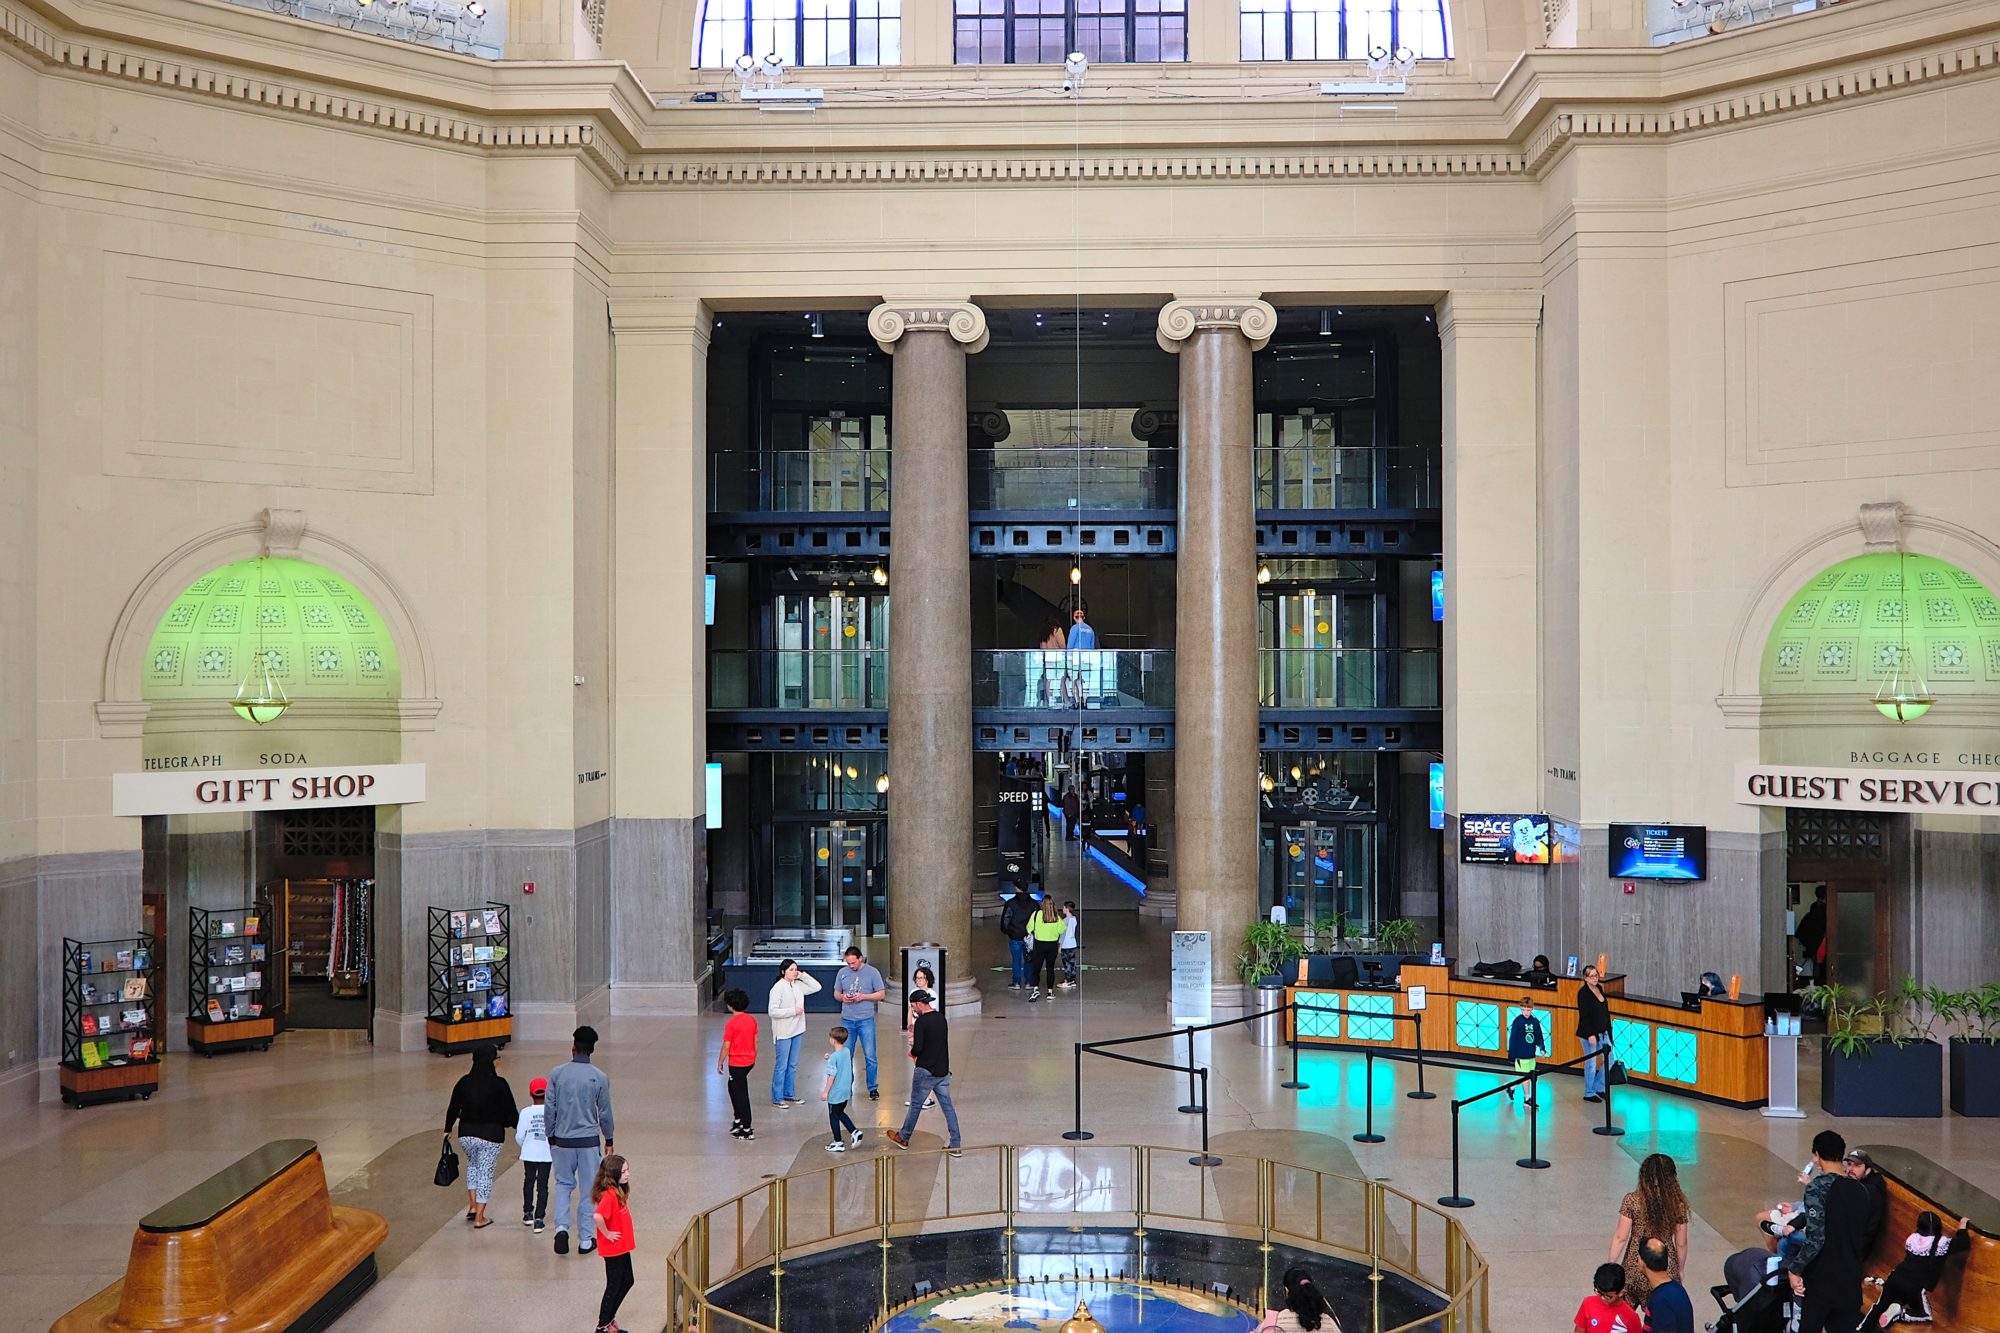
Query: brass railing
890	1198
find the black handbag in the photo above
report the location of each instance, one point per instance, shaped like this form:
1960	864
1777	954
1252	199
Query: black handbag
447	1171
1617	1074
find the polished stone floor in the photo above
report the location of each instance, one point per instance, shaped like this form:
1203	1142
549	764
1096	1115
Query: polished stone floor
78	1180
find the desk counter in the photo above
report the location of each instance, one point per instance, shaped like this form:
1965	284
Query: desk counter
1715	1051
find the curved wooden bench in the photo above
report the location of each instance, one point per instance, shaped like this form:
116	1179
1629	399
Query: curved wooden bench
256	1248
1967	1299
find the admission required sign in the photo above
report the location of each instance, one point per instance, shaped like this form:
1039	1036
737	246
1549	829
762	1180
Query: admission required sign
199	791
1915	789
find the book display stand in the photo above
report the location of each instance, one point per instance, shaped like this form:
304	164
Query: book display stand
469	979
111	1020
228	955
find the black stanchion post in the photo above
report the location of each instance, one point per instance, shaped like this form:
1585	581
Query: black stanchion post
1454	1199
1533	1161
1293	1082
1607	1129
1420	1095
1079	1132
1204	1159
1368	1096
1190	1108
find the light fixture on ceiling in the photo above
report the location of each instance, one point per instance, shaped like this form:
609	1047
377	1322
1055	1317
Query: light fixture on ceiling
259	697
1265	782
881	577
882	785
1075	66
852	772
1263	573
1075	574
1297	773
1905	695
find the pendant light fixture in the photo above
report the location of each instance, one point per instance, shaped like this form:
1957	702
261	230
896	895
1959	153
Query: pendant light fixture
259	697
1905	695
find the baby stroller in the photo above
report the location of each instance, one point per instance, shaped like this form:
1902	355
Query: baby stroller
1756	1298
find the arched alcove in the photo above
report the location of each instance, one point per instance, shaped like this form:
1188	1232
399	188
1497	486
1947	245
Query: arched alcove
1848	628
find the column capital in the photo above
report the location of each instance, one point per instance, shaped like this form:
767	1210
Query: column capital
964	321
1499	310
1253	318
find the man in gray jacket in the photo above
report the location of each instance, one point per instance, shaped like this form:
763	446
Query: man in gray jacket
577	1111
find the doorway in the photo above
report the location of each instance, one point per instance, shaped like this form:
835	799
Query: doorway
832	649
1851	856
1319	648
1323	874
316	890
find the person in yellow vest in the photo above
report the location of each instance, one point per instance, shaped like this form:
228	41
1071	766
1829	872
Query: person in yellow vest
1046	929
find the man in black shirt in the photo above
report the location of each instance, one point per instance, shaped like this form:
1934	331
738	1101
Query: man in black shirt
930	1047
1828	1274
1860	1166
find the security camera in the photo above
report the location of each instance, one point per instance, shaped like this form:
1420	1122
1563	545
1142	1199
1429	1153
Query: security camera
1075	66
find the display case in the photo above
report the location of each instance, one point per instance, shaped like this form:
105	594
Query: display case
111	1020
228	957
469	979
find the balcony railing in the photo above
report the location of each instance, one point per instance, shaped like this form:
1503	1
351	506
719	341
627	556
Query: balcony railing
1083	478
1309	476
833	679
1348	677
1086	678
799	481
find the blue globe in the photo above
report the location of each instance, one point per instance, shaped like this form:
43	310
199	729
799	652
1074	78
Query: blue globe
1116	1303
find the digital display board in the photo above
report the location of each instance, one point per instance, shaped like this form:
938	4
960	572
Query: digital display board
708	600
1565	842
1658	851
1437	795
1437	594
1518	840
714	795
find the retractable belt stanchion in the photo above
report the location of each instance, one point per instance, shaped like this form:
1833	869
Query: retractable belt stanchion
1079	1132
1419	1094
1533	1161
1368	1097
1455	1199
1191	1106
1292	1011
1607	1129
1204	1159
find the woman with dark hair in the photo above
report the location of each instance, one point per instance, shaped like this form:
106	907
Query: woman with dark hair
787	1008
1301	1310
483	1108
1657	1210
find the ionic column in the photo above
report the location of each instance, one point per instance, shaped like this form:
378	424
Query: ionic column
1215	636
930	630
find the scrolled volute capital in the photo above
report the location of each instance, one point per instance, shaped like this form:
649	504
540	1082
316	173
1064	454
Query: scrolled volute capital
964	321
1254	319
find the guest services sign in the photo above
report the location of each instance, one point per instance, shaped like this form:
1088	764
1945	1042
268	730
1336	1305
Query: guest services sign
1917	790
200	791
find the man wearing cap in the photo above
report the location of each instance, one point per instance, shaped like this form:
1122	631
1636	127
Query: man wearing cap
1860	1166
578	1113
859	986
930	1048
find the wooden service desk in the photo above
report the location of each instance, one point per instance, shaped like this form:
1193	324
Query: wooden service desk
1967	1299
1715	1052
256	1248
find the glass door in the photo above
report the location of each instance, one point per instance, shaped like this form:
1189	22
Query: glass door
847	883
833	650
843	474
1322	643
1326	869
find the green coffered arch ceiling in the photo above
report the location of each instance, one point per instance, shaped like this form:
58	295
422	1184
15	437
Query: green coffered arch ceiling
1842	632
320	637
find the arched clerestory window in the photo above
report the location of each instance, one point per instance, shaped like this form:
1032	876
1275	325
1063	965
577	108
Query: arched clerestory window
1343	29
804	32
1044	32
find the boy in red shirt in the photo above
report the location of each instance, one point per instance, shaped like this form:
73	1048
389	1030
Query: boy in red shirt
609	1196
738	1053
1605	1310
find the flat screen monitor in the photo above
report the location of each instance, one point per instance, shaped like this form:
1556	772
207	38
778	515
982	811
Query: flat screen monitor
1517	840
1658	851
1437	594
1437	795
1565	842
712	793
708	599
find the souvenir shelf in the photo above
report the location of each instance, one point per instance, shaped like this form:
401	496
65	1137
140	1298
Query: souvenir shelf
228	954
111	1020
469	976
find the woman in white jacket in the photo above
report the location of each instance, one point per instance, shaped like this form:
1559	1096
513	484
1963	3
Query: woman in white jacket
788	1029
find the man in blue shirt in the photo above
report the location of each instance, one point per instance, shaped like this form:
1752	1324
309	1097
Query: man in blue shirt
1082	645
1668	1310
859	986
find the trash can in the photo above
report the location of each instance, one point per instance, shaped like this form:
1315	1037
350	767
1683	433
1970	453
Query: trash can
1268	1003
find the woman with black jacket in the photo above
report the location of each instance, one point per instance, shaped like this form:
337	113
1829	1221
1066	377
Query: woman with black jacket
482	1106
1593	1029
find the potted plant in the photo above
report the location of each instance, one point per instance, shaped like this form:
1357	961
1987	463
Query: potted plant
1399	936
1269	950
1879	1057
1975	1049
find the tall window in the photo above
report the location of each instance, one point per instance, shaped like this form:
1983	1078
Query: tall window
1044	32
1342	29
805	32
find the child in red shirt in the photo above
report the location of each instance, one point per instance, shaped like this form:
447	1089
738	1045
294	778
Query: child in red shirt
738	1053
609	1194
1605	1310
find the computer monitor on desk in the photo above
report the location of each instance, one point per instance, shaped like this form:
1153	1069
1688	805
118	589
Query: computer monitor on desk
1690	999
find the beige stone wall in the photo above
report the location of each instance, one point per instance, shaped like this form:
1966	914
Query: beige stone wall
20	289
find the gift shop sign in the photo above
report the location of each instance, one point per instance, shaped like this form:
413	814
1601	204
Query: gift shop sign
1912	789
202	791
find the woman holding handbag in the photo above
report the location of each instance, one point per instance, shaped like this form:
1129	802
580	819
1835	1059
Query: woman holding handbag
483	1108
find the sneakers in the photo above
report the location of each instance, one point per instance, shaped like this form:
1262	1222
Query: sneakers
856	1138
527	1219
781	1106
1890	1315
896	1138
742	1132
795	1101
1034	993
562	1242
954	1151
874	1094
588	1247
1592	1097
539	1226
836	1146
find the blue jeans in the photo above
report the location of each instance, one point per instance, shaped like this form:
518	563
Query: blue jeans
575	1169
922	1087
785	1072
861	1036
1791	1243
1593	1070
1017	953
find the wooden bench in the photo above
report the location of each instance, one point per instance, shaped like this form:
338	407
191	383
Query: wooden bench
1967	1299
256	1248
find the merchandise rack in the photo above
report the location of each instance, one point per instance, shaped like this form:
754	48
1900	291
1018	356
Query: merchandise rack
117	1076
206	927
460	1013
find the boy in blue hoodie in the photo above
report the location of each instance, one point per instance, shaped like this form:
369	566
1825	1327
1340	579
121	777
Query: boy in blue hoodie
1526	1040
839	1090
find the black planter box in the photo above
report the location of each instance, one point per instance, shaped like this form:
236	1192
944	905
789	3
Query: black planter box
1975	1077
1887	1081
